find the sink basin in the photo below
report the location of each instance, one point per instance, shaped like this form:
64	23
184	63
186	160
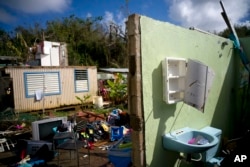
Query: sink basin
188	140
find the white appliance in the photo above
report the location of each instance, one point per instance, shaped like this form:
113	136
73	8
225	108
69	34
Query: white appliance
43	129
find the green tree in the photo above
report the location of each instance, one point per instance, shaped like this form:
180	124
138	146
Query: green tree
7	45
118	89
89	42
84	38
242	31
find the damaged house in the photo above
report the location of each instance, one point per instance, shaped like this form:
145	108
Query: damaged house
48	76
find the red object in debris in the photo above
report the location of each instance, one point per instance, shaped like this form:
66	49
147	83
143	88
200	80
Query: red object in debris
90	145
19	127
23	154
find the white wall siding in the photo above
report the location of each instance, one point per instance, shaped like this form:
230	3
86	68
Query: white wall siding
67	86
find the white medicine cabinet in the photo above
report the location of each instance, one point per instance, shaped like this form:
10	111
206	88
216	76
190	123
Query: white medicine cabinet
174	73
186	80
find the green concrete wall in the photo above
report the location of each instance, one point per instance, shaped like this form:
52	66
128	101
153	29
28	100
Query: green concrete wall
160	40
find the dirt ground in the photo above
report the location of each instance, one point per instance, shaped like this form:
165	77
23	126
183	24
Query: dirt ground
98	157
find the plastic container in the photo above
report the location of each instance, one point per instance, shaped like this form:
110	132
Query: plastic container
32	146
98	101
121	156
116	133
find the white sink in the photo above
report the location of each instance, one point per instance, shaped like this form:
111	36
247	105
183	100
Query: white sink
188	140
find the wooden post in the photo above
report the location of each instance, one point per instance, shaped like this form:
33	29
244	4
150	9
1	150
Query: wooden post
135	105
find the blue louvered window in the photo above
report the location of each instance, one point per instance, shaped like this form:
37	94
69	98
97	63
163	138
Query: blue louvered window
47	82
81	80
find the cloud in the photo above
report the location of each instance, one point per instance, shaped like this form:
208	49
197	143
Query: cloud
206	14
121	20
89	15
118	19
108	17
11	10
37	6
6	17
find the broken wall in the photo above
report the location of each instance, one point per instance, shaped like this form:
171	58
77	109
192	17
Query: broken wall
151	41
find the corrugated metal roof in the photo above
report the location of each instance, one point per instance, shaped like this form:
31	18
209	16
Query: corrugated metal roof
51	67
114	70
9	58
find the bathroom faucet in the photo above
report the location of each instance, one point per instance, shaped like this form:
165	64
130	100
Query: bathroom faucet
174	136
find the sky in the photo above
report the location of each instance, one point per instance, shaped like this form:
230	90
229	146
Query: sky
201	14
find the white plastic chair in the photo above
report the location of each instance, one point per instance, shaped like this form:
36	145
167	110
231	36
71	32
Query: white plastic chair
4	142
